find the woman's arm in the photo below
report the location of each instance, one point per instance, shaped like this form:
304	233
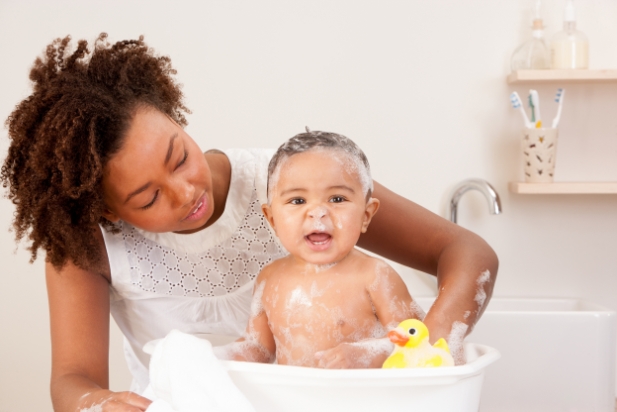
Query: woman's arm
79	319
465	265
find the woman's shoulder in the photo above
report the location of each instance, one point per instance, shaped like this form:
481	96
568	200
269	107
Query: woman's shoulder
98	267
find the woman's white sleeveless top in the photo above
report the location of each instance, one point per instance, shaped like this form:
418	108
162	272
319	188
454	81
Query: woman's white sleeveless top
197	283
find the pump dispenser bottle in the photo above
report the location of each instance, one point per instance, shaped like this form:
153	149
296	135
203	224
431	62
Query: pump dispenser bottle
534	54
570	47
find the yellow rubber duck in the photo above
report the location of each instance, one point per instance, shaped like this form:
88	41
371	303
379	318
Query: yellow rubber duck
413	350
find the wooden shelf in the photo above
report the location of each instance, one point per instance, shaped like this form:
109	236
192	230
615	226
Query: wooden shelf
564	188
563	76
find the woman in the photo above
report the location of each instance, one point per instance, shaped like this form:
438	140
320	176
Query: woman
135	220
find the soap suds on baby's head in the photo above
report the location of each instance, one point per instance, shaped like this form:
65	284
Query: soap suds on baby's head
344	149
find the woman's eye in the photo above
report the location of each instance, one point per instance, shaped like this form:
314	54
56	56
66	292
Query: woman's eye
337	199
152	202
186	154
297	201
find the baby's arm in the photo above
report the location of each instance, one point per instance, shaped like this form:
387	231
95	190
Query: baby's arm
257	344
391	298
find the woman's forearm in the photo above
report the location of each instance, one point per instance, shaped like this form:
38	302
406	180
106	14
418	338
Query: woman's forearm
465	265
466	277
73	392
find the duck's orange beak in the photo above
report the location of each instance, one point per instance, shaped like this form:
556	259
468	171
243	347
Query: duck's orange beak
397	337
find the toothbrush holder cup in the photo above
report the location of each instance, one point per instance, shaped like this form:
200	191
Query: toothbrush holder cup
539	152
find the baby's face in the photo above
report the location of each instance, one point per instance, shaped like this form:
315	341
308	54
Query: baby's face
318	208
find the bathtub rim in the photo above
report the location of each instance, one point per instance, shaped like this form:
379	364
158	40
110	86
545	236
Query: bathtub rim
486	355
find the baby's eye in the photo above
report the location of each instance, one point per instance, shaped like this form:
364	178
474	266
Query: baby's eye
297	201
337	199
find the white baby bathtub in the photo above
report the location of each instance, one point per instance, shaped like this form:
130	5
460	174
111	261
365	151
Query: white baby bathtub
285	388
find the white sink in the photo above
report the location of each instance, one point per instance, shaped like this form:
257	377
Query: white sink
558	355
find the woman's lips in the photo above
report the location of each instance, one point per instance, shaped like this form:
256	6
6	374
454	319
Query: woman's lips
199	209
318	241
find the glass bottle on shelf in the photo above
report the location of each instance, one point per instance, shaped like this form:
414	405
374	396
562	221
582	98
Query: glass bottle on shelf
534	54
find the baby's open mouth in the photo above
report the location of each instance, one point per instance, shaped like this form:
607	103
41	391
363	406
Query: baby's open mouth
318	238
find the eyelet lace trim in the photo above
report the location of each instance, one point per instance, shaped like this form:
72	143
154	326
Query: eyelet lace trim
217	271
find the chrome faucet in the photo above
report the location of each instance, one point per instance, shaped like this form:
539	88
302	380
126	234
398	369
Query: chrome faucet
494	204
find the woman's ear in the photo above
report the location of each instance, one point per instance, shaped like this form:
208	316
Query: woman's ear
371	208
111	216
267	211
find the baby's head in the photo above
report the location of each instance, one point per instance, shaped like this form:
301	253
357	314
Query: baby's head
319	196
342	147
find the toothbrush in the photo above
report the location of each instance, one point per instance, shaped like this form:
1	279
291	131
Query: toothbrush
516	103
535	100
533	112
559	100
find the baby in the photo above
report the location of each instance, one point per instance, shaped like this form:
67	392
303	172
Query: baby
326	304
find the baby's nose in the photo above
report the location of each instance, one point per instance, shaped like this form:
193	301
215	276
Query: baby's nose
318	212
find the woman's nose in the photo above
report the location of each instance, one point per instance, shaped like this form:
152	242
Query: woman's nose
183	192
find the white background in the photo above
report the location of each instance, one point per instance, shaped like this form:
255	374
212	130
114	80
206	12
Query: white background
419	85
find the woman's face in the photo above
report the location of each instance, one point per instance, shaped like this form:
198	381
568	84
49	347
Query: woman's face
159	180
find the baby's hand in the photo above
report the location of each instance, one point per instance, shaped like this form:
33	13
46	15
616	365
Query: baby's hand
369	353
108	401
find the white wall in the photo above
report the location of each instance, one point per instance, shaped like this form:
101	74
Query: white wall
420	85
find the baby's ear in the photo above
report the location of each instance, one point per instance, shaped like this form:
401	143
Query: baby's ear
267	211
371	208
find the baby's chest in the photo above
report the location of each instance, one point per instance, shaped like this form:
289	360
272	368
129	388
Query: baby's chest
319	309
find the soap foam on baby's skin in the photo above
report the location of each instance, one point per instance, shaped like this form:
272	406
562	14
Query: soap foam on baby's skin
415	308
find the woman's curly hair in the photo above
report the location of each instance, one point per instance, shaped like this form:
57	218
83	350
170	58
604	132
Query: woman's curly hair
65	132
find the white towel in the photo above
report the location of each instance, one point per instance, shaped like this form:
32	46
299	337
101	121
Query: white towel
186	376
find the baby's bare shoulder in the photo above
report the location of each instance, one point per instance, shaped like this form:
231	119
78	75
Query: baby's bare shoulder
376	271
372	264
273	269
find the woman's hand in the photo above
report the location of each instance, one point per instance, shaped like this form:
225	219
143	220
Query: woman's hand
104	400
369	353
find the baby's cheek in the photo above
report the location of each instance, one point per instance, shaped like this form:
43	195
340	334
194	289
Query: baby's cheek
288	227
348	223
